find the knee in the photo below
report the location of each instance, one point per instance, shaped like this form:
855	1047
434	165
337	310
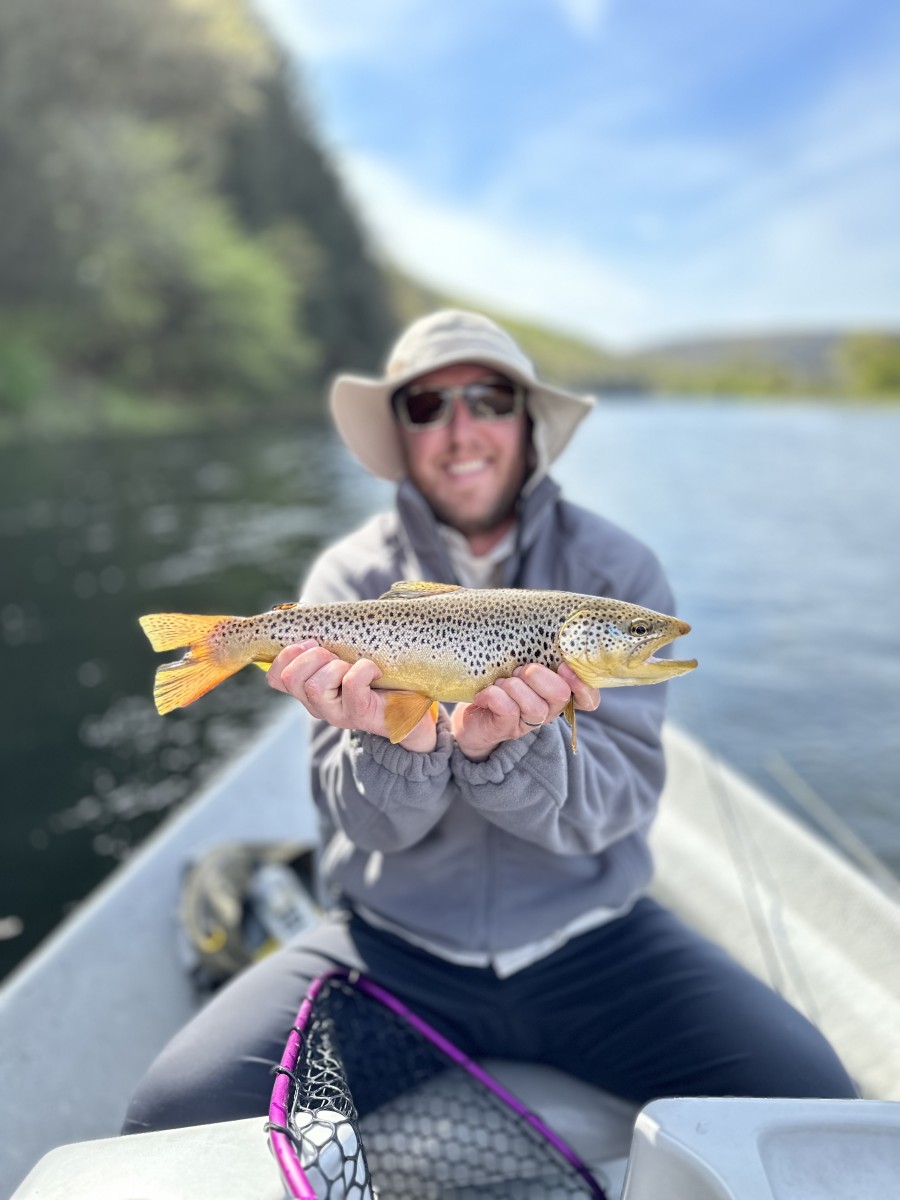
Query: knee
813	1071
168	1098
188	1087
799	1064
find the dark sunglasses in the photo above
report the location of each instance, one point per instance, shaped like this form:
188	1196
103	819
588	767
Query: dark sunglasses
419	406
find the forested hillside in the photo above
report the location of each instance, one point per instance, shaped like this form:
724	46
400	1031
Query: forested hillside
176	247
173	237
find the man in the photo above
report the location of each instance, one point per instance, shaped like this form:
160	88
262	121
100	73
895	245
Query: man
478	869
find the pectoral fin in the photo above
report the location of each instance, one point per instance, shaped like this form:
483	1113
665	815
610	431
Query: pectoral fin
569	714
414	589
404	710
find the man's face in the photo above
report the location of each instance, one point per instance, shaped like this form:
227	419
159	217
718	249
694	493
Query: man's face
470	471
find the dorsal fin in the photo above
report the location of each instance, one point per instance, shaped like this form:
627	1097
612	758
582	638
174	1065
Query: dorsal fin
414	589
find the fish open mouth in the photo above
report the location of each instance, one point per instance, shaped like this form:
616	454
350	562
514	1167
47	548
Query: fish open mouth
649	669
644	663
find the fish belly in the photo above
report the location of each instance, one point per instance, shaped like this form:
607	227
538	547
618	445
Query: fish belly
440	681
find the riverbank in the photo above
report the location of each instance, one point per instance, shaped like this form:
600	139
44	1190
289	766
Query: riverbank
92	412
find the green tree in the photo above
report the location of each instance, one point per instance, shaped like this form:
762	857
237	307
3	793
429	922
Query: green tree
278	177
168	291
871	363
171	225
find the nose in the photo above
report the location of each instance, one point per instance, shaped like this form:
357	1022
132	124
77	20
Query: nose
460	417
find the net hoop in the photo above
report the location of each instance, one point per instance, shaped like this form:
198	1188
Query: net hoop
283	1143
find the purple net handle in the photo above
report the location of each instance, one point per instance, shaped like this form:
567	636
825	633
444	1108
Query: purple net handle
294	1174
282	1147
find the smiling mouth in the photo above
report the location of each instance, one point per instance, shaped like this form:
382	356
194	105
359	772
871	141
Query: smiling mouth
470	466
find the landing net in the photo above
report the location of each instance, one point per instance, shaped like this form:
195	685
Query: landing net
371	1103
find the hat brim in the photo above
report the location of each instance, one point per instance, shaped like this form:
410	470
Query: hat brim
361	408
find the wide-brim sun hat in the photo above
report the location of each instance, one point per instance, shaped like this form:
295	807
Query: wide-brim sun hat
361	406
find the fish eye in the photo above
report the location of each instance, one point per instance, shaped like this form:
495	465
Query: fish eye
639	628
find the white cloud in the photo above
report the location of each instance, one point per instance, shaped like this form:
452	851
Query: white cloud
387	32
525	271
317	31
585	16
807	228
796	261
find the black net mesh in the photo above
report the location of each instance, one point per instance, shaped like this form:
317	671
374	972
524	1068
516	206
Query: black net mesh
379	1113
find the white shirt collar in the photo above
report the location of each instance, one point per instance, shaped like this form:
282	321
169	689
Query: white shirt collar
477	570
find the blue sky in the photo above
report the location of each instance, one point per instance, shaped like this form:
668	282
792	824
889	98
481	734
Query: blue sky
634	170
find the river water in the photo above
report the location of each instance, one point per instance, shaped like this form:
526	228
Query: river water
778	525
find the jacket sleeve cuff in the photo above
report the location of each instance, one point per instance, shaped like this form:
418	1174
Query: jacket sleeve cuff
368	750
493	769
516	774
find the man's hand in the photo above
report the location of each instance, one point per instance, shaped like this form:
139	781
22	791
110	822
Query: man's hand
512	708
340	693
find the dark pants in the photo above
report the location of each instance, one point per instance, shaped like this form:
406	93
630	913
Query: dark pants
642	1007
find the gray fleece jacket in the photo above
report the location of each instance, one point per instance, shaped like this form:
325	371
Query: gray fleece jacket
489	856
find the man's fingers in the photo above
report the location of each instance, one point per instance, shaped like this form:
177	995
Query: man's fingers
323	687
357	697
546	684
361	675
533	708
586	698
496	701
329	688
284	659
311	674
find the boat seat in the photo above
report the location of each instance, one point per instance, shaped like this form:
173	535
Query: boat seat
597	1125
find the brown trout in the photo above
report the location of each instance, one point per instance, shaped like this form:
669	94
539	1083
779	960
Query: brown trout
431	641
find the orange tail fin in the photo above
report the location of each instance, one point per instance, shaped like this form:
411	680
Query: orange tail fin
201	669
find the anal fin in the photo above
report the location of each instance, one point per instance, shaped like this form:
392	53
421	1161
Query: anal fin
403	711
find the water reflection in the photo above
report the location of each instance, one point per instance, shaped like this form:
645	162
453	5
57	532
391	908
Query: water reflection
92	535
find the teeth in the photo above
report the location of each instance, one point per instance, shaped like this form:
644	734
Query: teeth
467	468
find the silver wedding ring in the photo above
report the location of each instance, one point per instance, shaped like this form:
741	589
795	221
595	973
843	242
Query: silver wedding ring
533	724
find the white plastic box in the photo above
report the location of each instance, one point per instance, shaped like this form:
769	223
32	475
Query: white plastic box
739	1149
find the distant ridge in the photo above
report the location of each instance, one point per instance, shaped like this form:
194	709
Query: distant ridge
820	363
807	351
